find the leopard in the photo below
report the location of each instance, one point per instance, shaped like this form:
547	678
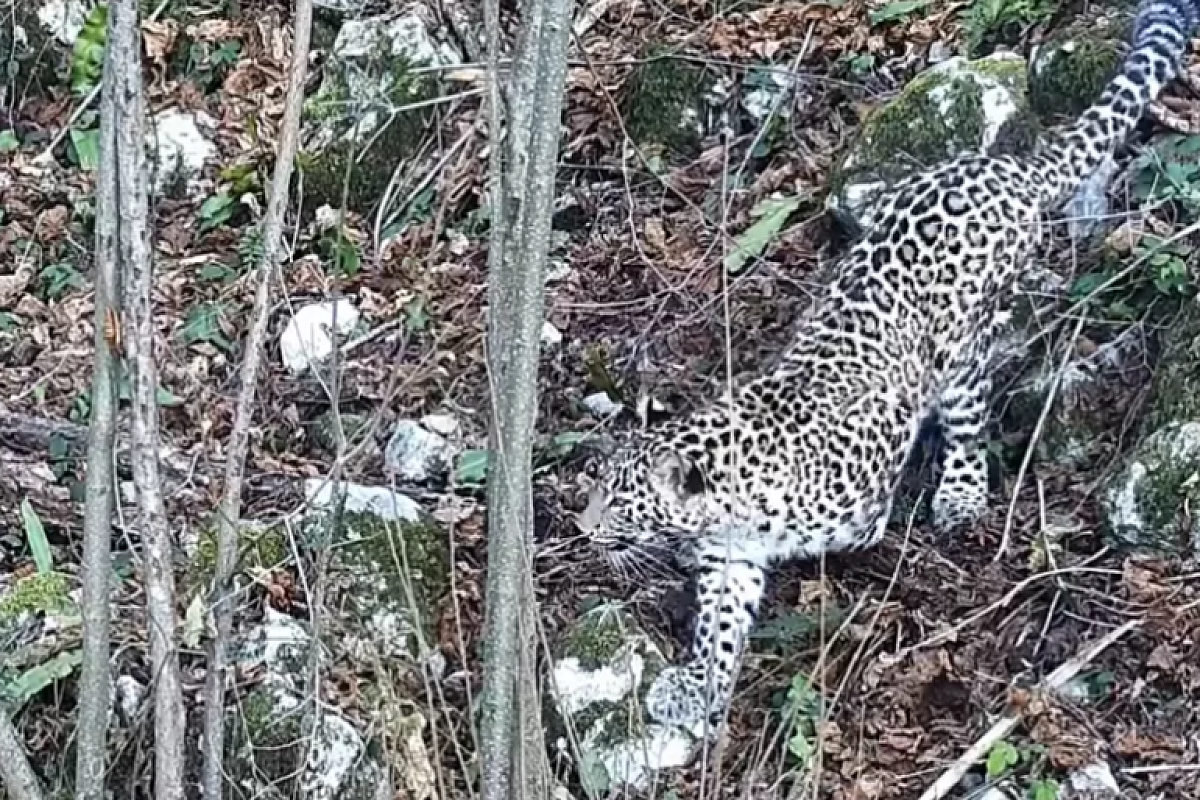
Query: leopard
805	458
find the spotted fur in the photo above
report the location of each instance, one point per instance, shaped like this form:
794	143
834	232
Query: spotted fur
806	458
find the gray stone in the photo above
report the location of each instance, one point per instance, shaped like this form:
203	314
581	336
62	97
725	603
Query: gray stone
416	453
1149	504
600	676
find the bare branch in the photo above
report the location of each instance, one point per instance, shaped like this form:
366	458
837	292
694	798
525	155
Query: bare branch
221	596
133	246
95	680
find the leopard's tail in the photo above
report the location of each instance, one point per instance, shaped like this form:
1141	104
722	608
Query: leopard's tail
1161	32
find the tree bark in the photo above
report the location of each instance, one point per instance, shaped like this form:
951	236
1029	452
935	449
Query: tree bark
521	196
133	246
221	597
19	780
95	688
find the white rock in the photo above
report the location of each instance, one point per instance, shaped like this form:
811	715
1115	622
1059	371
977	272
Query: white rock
403	37
444	424
1164	468
332	758
759	101
307	340
181	150
551	336
599	691
415	453
1093	782
63	19
601	404
130	693
326	217
378	500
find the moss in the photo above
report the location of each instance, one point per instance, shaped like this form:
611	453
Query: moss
1176	387
343	110
383	560
258	546
1149	503
664	103
324	431
1073	70
267	745
937	116
597	635
38	593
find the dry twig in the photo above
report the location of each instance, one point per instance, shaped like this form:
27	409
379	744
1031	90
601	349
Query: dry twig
221	596
1053	682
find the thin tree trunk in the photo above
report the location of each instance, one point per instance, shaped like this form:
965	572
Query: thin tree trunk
221	598
19	780
521	197
137	269
94	678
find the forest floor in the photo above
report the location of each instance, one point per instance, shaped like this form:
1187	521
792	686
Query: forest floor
916	646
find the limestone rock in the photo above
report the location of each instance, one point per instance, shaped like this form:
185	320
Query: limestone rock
600	676
1148	504
309	337
955	107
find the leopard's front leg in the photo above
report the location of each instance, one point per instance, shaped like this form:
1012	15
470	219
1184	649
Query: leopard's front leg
728	590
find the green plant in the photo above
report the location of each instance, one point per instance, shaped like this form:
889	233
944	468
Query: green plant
208	64
217	210
1167	264
87	57
1043	789
203	324
996	19
35	534
341	251
58	279
1001	758
802	710
1169	172
898	10
8	141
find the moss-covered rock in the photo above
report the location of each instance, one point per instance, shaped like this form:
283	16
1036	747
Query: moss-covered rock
389	571
361	122
1176	388
667	104
1094	395
279	746
1150	503
604	666
955	107
260	547
1069	71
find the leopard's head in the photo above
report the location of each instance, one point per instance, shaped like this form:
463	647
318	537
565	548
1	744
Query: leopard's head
647	500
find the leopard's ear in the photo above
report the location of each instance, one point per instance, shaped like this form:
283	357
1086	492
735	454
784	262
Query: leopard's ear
675	475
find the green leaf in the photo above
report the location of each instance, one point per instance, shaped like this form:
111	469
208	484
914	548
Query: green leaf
772	213
1000	759
594	775
1045	789
894	11
216	211
563	443
167	399
25	686
8	141
471	467
87	148
36	534
87	55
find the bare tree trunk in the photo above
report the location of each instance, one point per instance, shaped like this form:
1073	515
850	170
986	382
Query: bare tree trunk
133	245
19	780
95	689
221	597
521	197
